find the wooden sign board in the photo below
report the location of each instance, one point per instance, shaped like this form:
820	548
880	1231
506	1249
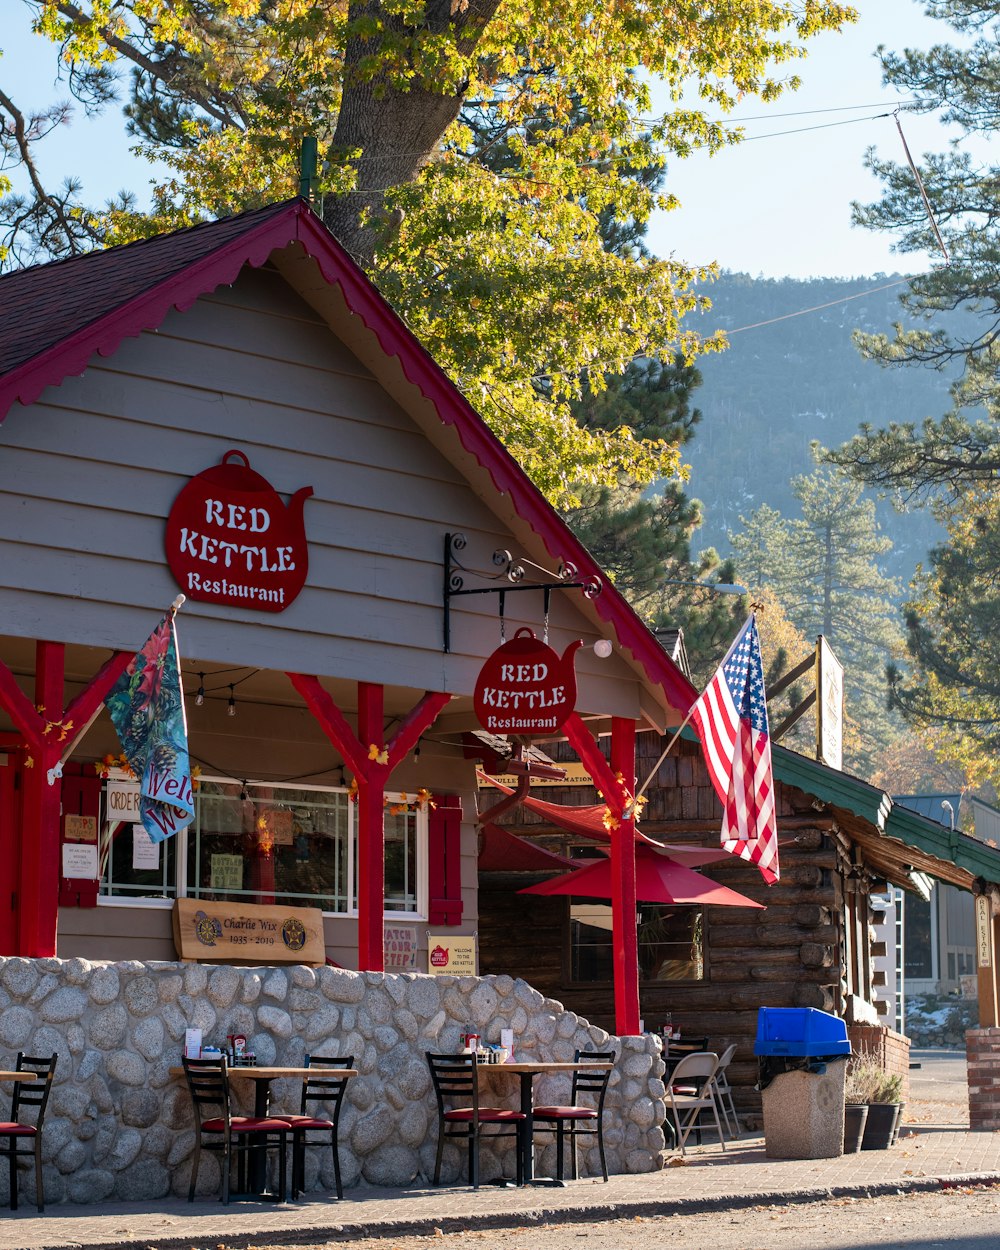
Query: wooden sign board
449	954
244	933
79	828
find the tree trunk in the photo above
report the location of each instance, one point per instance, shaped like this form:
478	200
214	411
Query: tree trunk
397	128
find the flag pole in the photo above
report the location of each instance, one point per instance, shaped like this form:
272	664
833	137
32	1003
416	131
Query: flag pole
666	751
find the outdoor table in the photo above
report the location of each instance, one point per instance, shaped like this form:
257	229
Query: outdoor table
19	1076
262	1078
526	1072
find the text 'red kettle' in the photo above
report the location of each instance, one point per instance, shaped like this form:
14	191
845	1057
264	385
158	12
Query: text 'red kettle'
526	687
230	538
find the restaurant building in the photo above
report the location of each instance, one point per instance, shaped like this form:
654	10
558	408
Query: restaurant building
232	412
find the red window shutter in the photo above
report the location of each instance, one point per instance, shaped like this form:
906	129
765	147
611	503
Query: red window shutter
444	864
81	796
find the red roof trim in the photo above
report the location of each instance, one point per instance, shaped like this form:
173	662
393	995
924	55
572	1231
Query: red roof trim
71	355
295	221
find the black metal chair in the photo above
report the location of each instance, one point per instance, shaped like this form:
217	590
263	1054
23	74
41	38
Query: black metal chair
455	1079
32	1096
234	1137
325	1087
580	1119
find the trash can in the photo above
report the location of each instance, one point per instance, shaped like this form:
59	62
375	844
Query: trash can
802	1058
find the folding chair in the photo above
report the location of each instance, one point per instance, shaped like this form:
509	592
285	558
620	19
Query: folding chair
724	1091
455	1078
690	1091
33	1095
580	1119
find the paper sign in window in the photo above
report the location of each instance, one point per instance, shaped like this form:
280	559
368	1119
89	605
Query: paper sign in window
145	852
227	872
79	860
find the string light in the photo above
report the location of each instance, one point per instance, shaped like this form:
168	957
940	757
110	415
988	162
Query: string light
416	751
232	701
199	698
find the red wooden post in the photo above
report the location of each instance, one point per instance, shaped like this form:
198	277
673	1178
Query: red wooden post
38	893
371	776
371	831
48	737
625	941
625	945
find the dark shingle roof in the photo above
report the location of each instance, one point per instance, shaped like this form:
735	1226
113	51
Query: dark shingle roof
43	306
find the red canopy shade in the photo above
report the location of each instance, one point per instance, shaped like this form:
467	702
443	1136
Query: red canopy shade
587	822
658	879
502	851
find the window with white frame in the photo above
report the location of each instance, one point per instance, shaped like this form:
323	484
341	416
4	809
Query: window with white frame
268	843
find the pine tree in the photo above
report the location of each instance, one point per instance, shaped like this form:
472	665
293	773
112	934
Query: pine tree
823	567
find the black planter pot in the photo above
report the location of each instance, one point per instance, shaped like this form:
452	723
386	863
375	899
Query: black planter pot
855	1119
882	1120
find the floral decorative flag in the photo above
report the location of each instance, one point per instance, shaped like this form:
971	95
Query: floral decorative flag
147	708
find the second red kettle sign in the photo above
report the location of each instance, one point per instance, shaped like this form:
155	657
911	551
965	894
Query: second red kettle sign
525	687
230	538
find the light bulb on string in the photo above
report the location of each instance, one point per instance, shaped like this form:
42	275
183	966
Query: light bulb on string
199	698
232	702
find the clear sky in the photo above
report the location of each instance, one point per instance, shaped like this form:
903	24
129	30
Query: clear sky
781	205
777	205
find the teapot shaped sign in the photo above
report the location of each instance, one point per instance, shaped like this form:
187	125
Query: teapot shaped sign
525	687
230	539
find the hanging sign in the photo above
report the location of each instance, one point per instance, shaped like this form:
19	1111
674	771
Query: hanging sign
984	934
525	687
230	539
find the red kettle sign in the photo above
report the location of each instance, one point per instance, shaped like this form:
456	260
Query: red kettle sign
525	687
230	539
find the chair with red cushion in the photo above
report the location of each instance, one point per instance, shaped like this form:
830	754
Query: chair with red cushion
580	1119
235	1137
455	1080
33	1097
325	1087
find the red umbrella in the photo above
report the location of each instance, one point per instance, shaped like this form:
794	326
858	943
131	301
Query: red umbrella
658	879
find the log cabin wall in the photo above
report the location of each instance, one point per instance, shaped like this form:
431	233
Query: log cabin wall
790	955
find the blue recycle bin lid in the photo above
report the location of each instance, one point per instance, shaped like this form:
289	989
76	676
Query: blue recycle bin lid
800	1031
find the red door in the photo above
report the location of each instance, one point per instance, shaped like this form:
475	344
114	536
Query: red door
10	847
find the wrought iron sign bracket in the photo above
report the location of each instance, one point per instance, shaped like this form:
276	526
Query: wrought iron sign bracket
511	574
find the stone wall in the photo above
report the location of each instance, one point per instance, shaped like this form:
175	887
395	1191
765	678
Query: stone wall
120	1126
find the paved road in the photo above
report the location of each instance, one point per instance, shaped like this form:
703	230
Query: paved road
957	1219
939	1090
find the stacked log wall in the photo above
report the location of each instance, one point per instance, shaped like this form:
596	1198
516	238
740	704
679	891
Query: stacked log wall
788	955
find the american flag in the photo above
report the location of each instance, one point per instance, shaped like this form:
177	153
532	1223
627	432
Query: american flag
731	719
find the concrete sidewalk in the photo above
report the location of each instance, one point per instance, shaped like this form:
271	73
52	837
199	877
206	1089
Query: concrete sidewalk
935	1150
924	1159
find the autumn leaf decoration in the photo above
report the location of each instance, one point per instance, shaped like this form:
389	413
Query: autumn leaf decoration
631	807
104	766
378	755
